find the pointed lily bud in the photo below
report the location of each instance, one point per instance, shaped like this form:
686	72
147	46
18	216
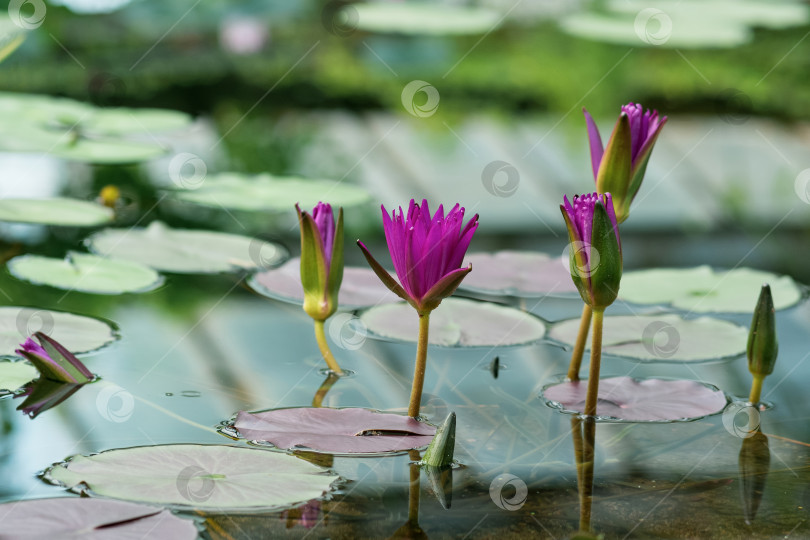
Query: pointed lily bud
321	260
53	361
762	345
619	168
595	251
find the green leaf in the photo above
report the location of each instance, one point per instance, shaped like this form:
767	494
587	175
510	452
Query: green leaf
422	18
85	273
109	151
55	211
14	375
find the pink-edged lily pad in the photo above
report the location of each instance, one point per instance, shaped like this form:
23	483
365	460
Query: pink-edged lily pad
91	519
524	274
361	288
216	478
457	323
640	400
334	431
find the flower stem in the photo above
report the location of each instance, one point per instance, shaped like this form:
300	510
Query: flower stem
320	336
596	358
413	488
327	384
579	346
419	370
756	389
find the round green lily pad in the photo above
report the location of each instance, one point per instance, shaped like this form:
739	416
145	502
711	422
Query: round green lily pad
523	274
270	193
210	477
109	151
124	121
14	375
456	323
55	211
423	18
85	273
663	338
187	251
703	290
78	334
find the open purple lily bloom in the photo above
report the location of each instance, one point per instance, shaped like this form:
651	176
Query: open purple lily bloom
427	252
619	168
53	361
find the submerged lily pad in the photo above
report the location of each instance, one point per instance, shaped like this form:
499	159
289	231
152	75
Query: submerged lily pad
85	273
702	289
186	251
271	193
15	375
457	323
663	338
78	334
518	273
422	18
210	477
91	519
55	211
334	431
361	288
639	400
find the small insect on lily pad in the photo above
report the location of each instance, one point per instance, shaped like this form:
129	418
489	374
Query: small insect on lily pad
663	338
55	211
85	273
187	251
639	400
91	519
15	375
361	288
334	431
703	289
265	192
523	274
421	18
77	333
456	323
209	477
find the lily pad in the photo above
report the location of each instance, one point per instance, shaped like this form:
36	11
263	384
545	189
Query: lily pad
186	251
78	334
361	288
15	375
265	192
703	290
210	477
109	151
91	519
456	323
85	273
55	211
334	431
124	121
422	18
639	400
524	274
663	338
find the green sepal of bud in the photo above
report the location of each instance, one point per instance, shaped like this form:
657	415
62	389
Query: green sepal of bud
321	284
440	451
615	171
762	344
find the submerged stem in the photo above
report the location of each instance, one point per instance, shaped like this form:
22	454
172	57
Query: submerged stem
756	389
320	336
419	370
596	358
327	384
579	346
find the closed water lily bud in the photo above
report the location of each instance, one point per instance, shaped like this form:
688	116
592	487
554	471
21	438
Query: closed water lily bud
762	345
321	260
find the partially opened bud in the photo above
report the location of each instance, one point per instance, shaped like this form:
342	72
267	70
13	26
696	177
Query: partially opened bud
321	260
762	345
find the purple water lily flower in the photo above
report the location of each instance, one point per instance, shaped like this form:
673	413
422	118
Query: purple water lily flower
619	168
53	361
321	259
427	252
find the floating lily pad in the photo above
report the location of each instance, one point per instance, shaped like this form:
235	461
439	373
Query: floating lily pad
639	400
55	211
702	289
91	519
361	288
124	121
334	431
210	477
457	323
663	338
109	151
186	251
518	273
15	375
421	18
85	273
78	334
271	193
